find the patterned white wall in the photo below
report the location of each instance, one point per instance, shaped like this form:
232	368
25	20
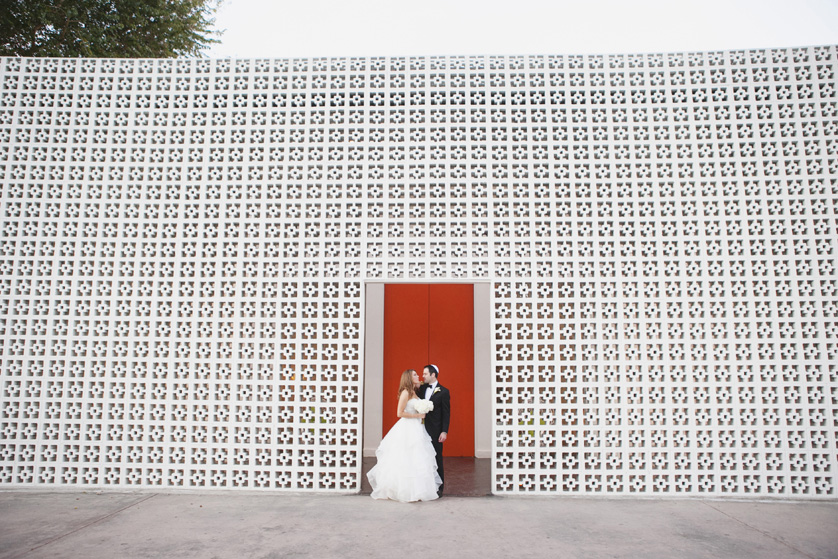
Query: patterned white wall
184	246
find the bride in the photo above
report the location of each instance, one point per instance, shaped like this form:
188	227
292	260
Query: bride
406	468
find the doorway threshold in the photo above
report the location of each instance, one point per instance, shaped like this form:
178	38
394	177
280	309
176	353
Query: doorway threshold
464	476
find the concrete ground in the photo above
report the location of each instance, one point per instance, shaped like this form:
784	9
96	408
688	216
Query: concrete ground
126	525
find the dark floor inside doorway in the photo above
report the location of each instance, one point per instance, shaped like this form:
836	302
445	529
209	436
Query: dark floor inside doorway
464	477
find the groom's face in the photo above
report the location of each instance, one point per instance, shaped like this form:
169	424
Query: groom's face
426	375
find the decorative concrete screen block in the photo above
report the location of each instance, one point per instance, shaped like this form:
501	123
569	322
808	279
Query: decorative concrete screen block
184	248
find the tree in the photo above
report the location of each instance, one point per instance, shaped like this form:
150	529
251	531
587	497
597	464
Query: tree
107	28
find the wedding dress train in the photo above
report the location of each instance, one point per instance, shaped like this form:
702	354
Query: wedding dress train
406	463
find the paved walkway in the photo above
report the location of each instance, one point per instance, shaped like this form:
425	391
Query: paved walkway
128	525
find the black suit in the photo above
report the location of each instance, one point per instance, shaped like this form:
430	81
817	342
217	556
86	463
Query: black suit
437	420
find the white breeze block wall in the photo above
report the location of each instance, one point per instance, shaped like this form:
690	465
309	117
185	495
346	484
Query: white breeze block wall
184	248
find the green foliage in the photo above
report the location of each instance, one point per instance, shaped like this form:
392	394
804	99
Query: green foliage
106	28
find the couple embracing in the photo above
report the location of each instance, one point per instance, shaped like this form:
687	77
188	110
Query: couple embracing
409	457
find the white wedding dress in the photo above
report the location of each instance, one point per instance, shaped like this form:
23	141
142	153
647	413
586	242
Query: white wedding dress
406	467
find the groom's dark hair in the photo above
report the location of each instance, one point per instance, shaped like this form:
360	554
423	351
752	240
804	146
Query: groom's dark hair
432	370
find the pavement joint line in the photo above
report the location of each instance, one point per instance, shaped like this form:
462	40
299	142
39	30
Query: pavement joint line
80	528
763	532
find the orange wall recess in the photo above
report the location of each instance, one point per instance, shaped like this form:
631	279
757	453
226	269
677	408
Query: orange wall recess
432	323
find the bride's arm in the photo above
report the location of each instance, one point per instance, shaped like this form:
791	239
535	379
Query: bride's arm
403	398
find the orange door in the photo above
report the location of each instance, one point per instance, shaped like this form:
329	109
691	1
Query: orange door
432	324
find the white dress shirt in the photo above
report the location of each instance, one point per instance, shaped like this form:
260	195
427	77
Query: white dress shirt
430	390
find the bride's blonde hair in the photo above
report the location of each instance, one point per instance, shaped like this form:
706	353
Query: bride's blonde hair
406	383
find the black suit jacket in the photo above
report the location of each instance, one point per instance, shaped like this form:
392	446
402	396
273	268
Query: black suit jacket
438	419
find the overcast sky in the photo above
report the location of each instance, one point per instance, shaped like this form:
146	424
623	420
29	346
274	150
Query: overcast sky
314	28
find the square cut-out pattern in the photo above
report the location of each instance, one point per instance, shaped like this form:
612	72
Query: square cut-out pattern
184	246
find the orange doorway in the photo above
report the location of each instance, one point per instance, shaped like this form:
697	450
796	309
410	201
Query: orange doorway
432	323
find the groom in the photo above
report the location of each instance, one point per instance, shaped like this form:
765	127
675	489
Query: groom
436	420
